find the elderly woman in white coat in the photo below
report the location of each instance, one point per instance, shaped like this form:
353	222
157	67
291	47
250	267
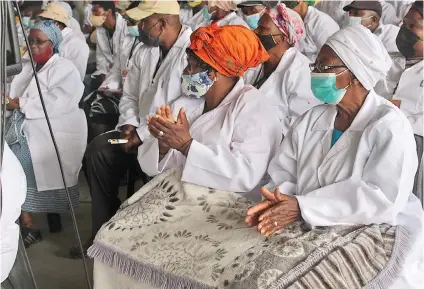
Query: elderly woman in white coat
28	135
220	12
285	77
225	139
351	161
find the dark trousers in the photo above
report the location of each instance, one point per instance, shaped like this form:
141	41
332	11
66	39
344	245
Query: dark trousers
106	164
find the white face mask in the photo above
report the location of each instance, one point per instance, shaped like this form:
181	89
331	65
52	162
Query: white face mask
355	20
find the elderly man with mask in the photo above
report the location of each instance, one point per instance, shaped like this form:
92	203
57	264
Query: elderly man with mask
368	13
72	47
153	80
351	161
318	27
253	11
220	12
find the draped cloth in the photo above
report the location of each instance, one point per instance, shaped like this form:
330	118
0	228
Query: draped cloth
362	52
288	21
230	50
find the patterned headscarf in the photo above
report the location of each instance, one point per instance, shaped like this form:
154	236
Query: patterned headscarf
288	21
226	5
230	50
51	30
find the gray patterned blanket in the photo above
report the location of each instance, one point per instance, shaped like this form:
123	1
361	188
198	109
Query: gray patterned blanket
176	235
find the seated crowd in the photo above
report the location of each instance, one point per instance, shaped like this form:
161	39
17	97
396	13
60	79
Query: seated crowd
310	117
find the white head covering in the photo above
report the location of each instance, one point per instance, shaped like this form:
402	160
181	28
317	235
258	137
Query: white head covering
362	52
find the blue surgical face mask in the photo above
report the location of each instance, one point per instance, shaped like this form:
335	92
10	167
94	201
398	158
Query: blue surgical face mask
324	88
195	85
27	22
206	14
253	20
133	31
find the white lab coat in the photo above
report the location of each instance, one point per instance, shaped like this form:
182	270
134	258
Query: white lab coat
74	49
334	9
186	14
87	13
106	48
401	7
410	92
231	19
116	75
62	89
387	34
318	28
232	144
366	177
289	86
76	28
389	14
13	184
143	94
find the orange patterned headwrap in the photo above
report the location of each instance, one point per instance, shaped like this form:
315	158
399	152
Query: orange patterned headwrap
230	50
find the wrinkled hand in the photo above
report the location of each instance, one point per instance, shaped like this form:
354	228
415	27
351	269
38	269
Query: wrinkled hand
165	112
274	213
13	103
131	135
175	135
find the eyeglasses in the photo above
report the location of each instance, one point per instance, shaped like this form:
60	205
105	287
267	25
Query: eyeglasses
36	42
321	67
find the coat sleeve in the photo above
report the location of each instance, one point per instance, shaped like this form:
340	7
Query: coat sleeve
128	105
78	54
237	166
61	91
380	193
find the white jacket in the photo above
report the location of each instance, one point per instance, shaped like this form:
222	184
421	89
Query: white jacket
107	48
232	144
13	193
334	9
231	19
410	92
143	93
76	28
62	90
116	75
75	50
289	86
186	14
387	34
318	28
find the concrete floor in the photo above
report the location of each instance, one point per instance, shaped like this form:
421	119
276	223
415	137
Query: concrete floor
49	259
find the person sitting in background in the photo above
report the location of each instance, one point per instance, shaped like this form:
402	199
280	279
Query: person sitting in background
318	27
29	12
102	106
220	12
253	11
351	161
225	141
154	79
334	9
72	22
197	19
28	135
409	92
71	47
109	29
368	14
285	77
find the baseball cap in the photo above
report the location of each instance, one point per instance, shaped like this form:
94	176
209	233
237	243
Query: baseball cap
122	4
256	3
150	7
56	12
365	5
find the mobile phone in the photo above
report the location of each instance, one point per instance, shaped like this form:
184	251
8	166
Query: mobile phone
117	141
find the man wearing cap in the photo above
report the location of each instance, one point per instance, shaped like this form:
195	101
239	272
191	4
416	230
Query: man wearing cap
368	14
253	11
318	27
153	80
72	47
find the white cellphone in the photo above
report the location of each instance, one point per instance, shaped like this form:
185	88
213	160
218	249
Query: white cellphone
117	141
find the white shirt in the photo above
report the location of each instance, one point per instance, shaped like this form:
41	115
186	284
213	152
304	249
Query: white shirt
186	14
74	49
230	19
410	92
62	90
388	14
318	28
13	184
143	93
232	144
334	9
289	86
387	34
107	48
76	28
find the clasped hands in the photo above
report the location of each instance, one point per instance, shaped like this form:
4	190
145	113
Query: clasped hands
171	134
274	213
